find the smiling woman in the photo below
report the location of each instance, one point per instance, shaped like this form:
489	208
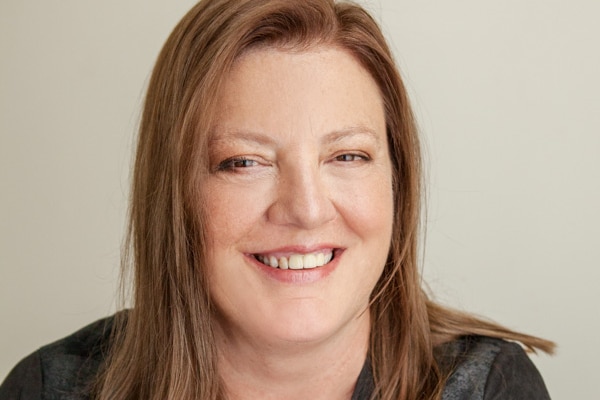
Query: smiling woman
309	191
274	226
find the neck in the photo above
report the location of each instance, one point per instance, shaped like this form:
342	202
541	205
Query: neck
324	369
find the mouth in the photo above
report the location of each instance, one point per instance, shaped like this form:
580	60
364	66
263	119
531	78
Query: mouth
297	261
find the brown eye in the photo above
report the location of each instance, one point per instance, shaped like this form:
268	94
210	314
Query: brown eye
351	157
236	162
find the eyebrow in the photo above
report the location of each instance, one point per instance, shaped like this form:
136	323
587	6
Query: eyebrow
243	135
352	131
264	139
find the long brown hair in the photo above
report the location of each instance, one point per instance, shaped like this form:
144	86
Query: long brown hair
163	347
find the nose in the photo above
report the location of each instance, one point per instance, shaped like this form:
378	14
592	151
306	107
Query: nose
302	198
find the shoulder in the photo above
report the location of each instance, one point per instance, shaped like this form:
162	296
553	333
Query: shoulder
485	368
63	369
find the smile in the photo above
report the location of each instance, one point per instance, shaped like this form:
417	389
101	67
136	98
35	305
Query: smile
296	261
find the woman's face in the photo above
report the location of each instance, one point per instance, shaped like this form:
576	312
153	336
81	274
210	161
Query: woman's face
299	196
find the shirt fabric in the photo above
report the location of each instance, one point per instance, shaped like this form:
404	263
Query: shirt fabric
484	369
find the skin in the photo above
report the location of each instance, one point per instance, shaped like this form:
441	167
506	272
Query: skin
299	163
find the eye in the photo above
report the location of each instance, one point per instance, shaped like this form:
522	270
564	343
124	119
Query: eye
234	163
350	157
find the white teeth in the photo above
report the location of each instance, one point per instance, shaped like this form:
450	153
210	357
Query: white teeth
320	259
297	261
310	261
283	263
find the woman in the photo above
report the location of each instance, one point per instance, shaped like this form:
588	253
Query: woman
274	226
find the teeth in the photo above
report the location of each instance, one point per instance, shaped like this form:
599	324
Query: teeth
297	261
283	263
310	261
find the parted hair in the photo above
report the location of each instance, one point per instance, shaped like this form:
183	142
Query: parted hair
163	347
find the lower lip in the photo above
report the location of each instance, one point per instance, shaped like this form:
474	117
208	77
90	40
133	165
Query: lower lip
297	276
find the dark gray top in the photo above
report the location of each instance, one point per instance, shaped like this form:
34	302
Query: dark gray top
485	369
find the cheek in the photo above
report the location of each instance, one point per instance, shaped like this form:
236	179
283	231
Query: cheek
232	211
368	206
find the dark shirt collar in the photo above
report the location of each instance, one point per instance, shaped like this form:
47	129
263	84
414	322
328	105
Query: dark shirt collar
365	384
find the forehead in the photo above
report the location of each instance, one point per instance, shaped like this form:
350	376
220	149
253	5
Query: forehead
320	89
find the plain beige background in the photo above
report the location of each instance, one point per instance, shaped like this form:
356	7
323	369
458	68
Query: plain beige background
508	98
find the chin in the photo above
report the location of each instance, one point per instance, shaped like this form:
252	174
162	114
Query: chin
302	333
310	326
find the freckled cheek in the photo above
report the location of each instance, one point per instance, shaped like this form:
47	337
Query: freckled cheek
367	206
232	210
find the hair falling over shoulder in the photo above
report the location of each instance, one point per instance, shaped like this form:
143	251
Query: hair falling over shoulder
163	348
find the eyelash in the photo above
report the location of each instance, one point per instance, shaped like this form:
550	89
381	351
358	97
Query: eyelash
354	157
233	163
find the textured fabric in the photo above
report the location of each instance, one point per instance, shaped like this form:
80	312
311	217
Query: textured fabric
513	376
489	369
61	370
483	369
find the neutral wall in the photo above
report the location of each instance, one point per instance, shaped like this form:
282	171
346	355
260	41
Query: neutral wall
508	98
